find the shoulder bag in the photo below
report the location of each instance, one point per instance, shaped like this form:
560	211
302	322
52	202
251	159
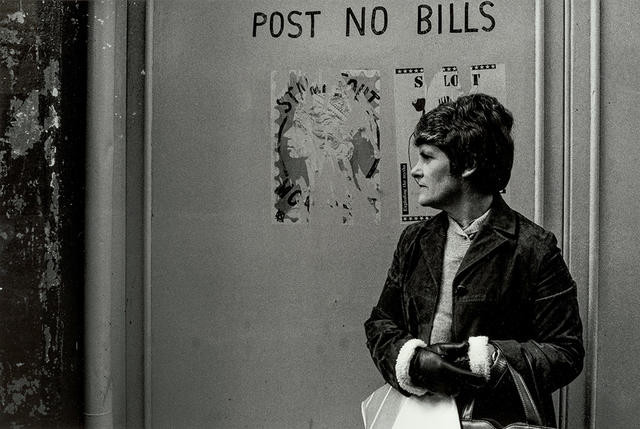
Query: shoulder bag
533	419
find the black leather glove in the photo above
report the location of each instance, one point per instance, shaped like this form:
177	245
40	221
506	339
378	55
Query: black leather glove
441	368
455	353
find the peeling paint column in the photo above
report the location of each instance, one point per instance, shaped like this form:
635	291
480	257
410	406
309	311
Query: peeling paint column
98	214
40	193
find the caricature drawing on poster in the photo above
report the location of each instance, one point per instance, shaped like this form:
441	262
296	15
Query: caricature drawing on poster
326	147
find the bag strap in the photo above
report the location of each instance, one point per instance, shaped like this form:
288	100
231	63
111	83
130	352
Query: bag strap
535	388
531	413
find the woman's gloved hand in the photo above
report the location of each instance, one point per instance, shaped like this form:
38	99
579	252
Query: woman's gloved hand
444	368
455	353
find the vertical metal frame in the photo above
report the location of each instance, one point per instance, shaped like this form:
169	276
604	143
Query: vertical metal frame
99	213
133	405
538	190
573	51
567	194
594	212
148	212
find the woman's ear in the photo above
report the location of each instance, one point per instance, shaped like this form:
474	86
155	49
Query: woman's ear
467	172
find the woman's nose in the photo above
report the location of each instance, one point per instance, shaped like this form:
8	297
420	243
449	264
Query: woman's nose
416	172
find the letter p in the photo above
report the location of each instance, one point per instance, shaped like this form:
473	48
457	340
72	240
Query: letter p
259	18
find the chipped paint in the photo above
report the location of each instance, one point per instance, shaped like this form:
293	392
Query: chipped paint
51	79
50	151
16	392
17	16
47	346
32	354
52	120
25	129
9	40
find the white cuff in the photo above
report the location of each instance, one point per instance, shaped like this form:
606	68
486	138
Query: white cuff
402	366
479	358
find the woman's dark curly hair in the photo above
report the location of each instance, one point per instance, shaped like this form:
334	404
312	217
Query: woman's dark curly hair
473	131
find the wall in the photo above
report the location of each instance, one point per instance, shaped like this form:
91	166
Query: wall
232	342
207	216
258	324
619	298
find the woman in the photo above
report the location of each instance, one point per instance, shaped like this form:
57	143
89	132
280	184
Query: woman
478	270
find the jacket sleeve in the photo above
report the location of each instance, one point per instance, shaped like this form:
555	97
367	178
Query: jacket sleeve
388	339
556	348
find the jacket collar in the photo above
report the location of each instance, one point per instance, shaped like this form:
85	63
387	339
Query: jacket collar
499	228
502	218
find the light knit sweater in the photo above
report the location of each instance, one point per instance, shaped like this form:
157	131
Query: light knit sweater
456	246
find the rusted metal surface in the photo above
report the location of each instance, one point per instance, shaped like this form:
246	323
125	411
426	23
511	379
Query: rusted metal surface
41	149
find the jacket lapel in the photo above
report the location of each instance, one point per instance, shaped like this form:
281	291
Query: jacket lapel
432	246
499	228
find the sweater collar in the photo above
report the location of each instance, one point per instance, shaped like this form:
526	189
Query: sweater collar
471	230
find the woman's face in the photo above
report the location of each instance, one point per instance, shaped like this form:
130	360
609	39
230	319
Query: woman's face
432	172
299	141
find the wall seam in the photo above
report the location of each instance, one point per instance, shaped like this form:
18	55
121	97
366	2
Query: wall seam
148	116
594	209
563	400
538	170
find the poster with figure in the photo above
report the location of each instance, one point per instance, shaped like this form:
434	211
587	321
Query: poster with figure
413	98
325	129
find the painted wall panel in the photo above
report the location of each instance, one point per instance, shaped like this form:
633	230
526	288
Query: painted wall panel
256	324
618	374
576	254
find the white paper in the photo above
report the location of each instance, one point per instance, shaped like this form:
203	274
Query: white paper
386	408
428	412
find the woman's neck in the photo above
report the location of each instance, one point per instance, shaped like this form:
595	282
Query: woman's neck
470	208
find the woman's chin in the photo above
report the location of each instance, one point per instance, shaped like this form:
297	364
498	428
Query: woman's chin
425	200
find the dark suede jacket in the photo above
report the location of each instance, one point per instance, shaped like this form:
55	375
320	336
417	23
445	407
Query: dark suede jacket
512	286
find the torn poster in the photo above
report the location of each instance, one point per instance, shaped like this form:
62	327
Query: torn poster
326	147
410	104
444	86
488	79
413	98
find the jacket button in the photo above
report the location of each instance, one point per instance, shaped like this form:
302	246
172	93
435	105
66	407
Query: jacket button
461	290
